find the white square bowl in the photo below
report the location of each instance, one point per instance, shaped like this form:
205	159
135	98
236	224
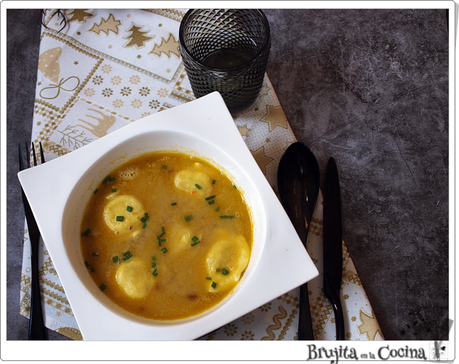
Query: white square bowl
59	190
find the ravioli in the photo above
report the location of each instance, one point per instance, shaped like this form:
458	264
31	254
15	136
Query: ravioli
123	214
193	182
226	260
135	278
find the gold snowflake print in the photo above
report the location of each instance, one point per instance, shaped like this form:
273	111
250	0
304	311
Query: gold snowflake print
144	91
89	92
118	103
154	104
145	114
125	91
162	92
116	80
106	68
230	330
97	80
248	319
107	92
266	307
136	104
134	79
248	335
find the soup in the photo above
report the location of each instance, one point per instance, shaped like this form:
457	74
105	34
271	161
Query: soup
166	235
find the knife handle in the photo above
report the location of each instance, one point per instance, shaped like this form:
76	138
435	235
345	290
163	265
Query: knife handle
305	331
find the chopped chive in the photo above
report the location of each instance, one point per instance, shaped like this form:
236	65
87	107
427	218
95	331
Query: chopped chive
209	278
92	269
226	217
153	258
106	180
235	187
114	190
113	179
86	264
102	287
197	186
211	202
115	259
86	232
164	166
159	236
217	209
210	198
163	250
119	218
213	182
214	285
194	238
195	243
146	215
154	272
217	270
153	265
144	225
129	209
127	255
188	217
96	190
95	255
163	230
224	271
173	203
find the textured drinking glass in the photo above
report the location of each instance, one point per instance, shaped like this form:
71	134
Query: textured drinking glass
226	50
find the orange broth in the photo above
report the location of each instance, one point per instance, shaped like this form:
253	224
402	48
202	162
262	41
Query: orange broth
160	245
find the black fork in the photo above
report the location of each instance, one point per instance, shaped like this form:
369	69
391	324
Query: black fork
36	326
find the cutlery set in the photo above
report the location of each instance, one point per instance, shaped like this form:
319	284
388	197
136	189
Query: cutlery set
298	180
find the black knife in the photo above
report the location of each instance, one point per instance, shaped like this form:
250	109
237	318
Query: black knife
298	183
333	253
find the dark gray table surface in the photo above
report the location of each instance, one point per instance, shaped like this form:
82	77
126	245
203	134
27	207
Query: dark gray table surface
368	87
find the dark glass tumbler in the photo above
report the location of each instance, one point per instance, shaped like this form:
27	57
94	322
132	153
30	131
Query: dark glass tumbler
226	50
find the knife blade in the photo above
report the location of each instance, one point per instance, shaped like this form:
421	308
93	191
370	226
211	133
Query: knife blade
332	245
298	183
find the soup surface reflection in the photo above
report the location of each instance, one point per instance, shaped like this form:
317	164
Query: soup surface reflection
166	236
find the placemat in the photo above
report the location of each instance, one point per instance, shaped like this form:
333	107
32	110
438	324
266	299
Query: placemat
101	69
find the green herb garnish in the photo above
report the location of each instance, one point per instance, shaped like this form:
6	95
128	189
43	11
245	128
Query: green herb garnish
214	285
119	218
163	250
86	232
224	271
189	217
129	209
226	217
197	186
102	287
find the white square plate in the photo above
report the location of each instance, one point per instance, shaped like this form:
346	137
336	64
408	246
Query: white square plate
59	189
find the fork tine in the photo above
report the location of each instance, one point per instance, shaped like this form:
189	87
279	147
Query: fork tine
42	154
34	156
27	156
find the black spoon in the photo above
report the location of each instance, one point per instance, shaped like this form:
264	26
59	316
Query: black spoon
298	180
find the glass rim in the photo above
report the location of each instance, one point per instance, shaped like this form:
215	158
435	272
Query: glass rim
225	69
